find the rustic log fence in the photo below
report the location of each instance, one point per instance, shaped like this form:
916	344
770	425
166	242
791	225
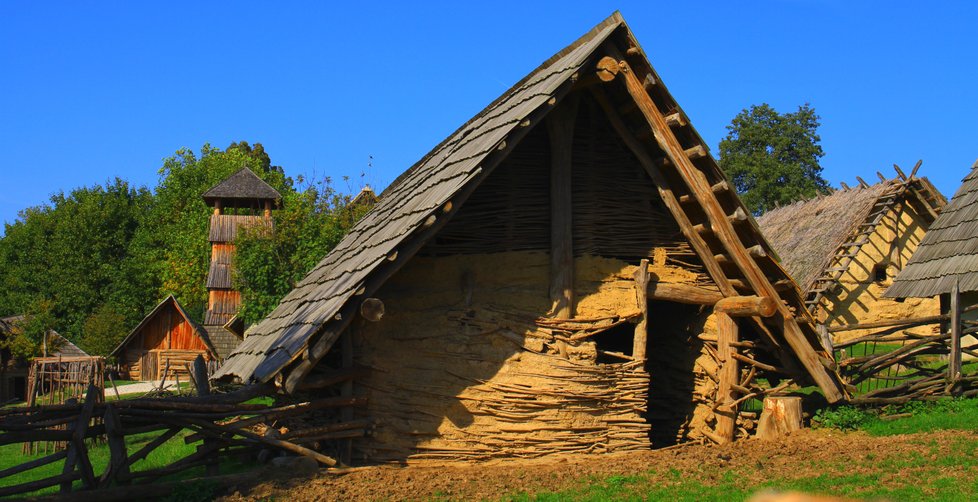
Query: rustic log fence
893	365
223	424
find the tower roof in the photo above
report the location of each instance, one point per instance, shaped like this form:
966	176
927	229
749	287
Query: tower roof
242	185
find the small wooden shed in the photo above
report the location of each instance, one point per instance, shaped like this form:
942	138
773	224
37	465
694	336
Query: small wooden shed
166	340
844	248
14	372
567	272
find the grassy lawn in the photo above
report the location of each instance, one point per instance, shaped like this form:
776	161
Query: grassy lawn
167	453
926	471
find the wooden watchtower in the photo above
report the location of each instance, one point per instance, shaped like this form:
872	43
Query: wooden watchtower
241	200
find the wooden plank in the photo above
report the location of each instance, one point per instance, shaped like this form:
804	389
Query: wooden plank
31	486
118	468
346	413
727	235
954	359
200	376
77	452
640	339
10	471
560	127
726	413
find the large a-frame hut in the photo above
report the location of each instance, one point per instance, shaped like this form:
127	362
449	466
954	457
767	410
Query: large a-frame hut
948	255
164	342
844	249
568	271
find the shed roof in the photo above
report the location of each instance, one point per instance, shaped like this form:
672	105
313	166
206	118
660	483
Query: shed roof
949	251
412	207
244	184
198	330
64	346
807	234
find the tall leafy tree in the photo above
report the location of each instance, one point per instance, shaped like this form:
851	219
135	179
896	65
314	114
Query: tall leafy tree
269	264
773	158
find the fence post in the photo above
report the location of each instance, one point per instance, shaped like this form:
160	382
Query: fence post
823	334
954	359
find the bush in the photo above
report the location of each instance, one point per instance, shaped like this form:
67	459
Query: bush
844	418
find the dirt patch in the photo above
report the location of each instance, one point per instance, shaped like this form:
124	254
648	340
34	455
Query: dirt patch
806	454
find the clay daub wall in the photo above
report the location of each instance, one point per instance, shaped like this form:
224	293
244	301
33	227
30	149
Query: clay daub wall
463	368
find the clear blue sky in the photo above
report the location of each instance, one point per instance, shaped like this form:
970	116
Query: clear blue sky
94	90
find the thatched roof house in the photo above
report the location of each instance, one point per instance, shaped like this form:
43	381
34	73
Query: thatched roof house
948	253
844	248
512	291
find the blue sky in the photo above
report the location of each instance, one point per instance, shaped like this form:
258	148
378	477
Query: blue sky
94	90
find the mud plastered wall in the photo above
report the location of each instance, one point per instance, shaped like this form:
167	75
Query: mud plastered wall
462	370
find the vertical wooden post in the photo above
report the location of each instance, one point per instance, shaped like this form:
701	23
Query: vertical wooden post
642	297
200	376
726	412
825	337
118	468
560	126
346	414
268	209
954	360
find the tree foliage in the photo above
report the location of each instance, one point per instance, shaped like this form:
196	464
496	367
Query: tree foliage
310	224
91	263
773	158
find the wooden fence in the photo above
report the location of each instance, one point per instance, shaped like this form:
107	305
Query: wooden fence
222	424
893	365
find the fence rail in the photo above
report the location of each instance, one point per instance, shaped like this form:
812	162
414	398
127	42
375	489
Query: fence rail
893	365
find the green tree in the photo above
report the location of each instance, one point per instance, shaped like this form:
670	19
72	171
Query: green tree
269	264
773	158
179	222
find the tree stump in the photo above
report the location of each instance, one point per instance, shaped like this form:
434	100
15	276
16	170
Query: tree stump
780	417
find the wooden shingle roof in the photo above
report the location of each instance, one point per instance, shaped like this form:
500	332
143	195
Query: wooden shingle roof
949	251
244	184
308	320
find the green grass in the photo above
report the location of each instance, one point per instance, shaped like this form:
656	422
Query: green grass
931	471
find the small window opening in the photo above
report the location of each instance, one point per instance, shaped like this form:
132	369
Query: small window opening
617	340
879	272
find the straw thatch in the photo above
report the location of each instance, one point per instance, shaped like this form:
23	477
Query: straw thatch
807	233
949	251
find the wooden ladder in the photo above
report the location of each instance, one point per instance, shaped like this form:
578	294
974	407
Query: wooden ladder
847	252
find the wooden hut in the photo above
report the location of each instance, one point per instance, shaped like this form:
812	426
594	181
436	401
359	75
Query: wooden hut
568	271
844	249
947	258
14	372
241	200
165	341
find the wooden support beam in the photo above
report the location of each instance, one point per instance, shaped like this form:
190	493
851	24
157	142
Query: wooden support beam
701	188
560	126
738	216
642	298
844	185
915	168
862	182
683	293
372	309
726	413
747	306
200	377
881	177
696	152
607	69
675	119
